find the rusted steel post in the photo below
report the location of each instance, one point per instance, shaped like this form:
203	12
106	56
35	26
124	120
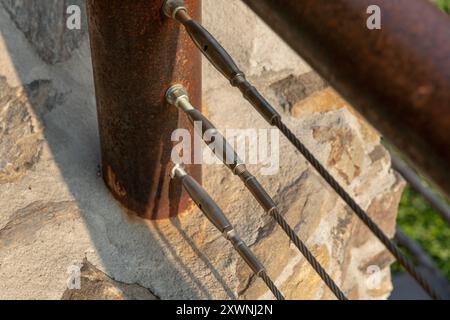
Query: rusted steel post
397	77
137	54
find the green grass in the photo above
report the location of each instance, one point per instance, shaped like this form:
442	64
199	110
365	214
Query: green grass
420	222
444	5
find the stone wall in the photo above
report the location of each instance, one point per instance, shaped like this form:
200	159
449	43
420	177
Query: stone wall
56	212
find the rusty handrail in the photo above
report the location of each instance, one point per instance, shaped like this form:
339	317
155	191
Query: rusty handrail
223	62
398	77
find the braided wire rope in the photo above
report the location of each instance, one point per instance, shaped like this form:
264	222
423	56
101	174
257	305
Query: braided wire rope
250	181
224	63
395	251
271	286
308	255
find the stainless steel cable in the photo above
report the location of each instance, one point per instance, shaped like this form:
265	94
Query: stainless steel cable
224	63
271	286
395	251
178	96
214	214
308	255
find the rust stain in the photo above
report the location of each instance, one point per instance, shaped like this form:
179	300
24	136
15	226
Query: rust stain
137	54
114	185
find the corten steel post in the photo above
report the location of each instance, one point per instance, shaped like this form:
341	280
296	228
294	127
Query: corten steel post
397	77
137	54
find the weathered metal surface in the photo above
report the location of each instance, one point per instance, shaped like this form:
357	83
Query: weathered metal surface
397	77
137	54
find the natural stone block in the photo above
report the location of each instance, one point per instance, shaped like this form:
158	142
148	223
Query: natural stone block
21	135
346	154
327	100
293	89
380	210
304	204
44	25
69	215
20	141
96	285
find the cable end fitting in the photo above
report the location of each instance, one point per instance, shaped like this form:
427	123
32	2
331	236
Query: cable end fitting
175	93
178	97
255	98
171	7
177	172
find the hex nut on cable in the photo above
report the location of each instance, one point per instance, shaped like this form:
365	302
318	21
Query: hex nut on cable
175	93
171	7
177	172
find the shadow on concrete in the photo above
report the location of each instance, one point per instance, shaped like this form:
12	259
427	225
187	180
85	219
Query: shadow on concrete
131	250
